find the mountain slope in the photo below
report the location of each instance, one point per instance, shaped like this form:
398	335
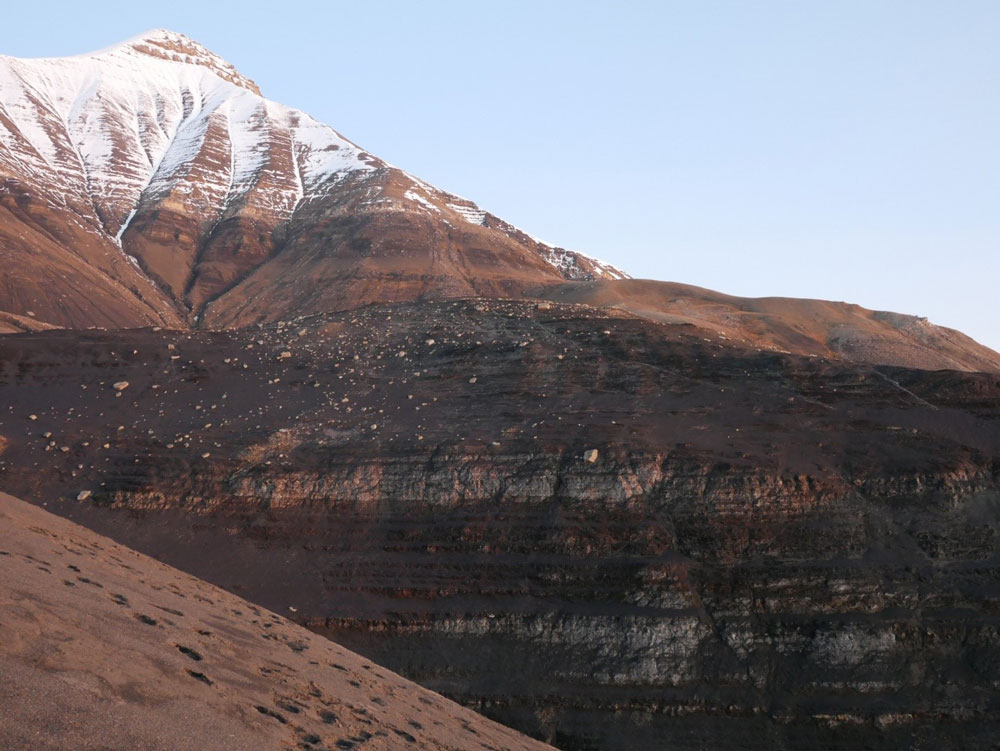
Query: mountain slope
800	326
106	648
156	178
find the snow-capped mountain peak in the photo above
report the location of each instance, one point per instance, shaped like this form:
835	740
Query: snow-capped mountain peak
174	47
159	114
163	156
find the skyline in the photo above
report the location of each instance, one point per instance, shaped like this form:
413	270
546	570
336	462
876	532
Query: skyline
844	154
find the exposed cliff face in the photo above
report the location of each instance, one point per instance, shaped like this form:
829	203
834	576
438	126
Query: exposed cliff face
766	551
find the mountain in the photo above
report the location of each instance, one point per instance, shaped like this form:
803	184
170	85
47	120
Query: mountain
152	183
106	648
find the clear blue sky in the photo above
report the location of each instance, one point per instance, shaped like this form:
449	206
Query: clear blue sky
845	149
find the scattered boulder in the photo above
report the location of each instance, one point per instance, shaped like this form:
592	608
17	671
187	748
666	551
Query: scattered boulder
119	385
590	455
83	495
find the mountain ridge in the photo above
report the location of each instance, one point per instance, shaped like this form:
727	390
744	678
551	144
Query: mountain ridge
820	328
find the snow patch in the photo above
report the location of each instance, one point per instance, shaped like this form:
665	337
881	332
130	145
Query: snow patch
472	214
568	264
125	224
412	195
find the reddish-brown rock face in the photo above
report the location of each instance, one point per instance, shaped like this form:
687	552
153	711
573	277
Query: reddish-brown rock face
789	325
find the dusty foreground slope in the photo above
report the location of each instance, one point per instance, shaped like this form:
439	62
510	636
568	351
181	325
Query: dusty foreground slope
104	648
